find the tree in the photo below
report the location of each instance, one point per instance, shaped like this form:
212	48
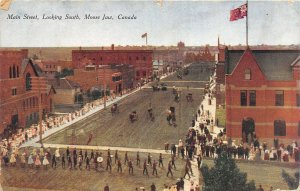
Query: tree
292	182
225	176
96	94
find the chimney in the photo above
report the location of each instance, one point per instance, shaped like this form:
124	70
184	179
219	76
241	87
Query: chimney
102	48
112	47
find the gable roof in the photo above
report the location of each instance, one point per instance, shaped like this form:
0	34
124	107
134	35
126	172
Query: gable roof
296	62
63	83
275	64
27	62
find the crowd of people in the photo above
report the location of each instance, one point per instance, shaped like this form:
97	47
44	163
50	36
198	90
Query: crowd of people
13	140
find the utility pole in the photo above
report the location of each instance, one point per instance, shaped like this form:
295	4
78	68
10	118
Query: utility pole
40	115
104	87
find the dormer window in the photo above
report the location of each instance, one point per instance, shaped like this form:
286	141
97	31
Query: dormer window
247	74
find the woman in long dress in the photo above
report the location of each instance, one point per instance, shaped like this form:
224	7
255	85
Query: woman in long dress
30	161
37	161
45	161
57	154
23	160
13	160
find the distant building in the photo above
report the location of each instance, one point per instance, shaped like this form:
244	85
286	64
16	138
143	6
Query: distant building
66	91
140	59
262	94
19	104
50	68
115	77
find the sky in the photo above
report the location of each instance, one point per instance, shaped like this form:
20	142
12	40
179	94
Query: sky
193	22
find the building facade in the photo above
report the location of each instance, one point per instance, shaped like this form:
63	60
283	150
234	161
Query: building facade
262	94
18	102
140	59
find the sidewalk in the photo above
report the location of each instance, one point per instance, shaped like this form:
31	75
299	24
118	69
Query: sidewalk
34	141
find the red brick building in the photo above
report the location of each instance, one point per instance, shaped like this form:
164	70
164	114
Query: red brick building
117	77
262	94
18	102
140	59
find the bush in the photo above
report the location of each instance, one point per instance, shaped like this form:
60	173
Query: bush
225	176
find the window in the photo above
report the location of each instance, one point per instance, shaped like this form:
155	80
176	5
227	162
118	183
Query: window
279	98
298	100
14	72
14	91
28	82
10	72
244	98
129	58
279	128
299	128
247	74
252	95
18	71
137	73
144	58
137	58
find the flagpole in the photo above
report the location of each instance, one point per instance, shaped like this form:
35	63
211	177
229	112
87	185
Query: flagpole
247	23
146	39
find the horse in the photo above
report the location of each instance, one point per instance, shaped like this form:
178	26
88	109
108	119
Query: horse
114	109
133	116
150	112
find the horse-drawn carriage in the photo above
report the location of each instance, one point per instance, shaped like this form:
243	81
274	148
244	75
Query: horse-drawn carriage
114	109
150	114
133	116
189	97
171	116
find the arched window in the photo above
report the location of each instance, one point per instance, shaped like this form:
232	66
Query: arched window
28	82
14	72
10	72
247	74
18	71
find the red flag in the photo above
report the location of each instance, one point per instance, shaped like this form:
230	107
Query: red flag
244	10
239	12
235	14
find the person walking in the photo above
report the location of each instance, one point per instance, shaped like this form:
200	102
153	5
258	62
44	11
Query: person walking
153	187
30	161
87	163
160	160
138	158
45	162
108	163
63	162
154	166
53	162
69	161
116	157
186	171
130	167
37	161
119	165
149	159
126	158
173	161
145	169
80	160
169	169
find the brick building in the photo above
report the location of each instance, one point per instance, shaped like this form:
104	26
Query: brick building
18	102
262	94
50	68
117	77
140	59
